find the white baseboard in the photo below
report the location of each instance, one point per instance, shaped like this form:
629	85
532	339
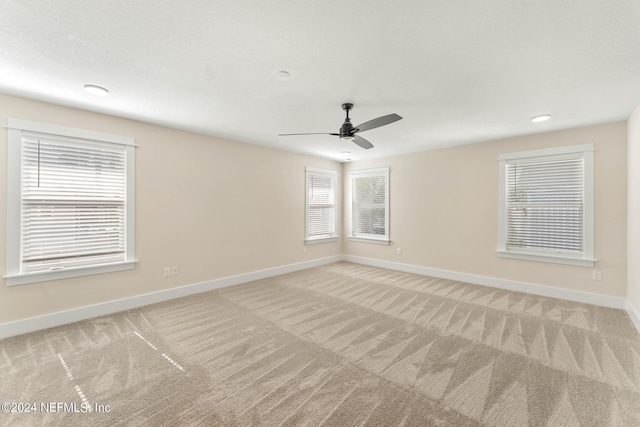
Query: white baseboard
542	290
69	316
634	315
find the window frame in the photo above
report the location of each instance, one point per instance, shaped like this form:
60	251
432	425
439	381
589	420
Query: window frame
334	177
584	151
15	128
365	237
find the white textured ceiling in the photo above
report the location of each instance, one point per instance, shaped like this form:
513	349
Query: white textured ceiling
457	71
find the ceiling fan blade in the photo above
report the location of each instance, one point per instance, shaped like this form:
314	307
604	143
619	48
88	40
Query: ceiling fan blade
291	134
376	123
362	142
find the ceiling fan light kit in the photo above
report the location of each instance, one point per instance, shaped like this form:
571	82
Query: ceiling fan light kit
348	131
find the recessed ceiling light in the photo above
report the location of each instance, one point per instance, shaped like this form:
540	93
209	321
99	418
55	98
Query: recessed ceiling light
542	118
96	90
284	73
346	153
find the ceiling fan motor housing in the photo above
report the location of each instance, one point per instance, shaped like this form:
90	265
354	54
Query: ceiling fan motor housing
346	131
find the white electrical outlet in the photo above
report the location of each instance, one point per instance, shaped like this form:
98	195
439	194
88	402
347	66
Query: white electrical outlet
597	275
174	270
304	249
167	271
399	251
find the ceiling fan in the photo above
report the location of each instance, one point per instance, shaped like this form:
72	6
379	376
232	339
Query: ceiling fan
348	132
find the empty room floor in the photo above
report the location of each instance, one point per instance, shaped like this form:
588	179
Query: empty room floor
341	344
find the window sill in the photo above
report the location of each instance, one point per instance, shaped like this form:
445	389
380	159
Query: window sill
44	276
370	240
582	262
321	240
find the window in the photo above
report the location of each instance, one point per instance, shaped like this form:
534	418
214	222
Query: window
321	205
70	205
546	205
369	208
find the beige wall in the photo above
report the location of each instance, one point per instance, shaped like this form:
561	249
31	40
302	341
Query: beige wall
444	211
633	211
213	208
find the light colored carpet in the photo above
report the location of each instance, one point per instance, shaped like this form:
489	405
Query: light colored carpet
342	344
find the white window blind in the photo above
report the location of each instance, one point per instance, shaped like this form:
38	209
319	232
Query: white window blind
70	202
546	204
321	204
370	204
73	198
